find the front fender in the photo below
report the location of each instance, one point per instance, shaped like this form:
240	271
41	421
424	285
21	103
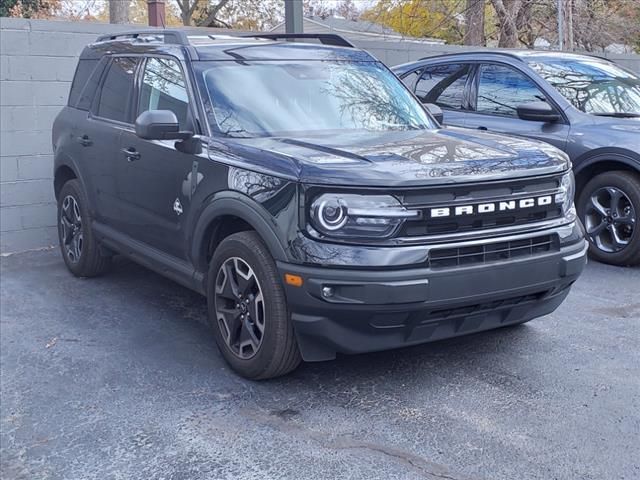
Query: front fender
607	154
245	208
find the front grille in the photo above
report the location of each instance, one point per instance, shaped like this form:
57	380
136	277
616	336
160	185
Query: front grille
492	252
473	195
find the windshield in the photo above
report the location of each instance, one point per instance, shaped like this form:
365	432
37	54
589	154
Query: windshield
278	97
593	86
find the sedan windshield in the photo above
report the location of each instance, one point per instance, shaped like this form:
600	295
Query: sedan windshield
593	86
278	97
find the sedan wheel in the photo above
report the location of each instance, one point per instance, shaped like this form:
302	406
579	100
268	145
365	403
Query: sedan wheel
610	219
609	206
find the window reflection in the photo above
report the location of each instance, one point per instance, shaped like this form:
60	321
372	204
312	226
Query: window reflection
593	86
163	88
269	98
501	89
443	85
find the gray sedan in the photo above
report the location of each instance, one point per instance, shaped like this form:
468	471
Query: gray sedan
586	106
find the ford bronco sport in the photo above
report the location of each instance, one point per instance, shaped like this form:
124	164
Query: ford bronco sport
308	194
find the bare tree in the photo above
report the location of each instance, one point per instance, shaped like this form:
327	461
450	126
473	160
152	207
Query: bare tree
507	12
474	23
187	9
118	11
348	10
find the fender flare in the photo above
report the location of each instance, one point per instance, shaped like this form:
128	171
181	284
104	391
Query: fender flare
608	154
243	207
64	161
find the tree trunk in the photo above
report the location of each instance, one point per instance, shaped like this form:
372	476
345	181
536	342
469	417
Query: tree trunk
474	23
118	11
507	12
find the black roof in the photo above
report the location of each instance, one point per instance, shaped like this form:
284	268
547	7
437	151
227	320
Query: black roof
199	45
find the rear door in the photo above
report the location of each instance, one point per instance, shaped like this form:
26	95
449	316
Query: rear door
446	85
155	178
496	92
99	136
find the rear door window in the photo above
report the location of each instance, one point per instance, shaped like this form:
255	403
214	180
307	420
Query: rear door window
444	85
117	89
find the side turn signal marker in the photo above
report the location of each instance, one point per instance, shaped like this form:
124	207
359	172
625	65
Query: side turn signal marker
293	280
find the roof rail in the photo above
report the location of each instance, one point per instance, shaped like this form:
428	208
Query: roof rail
473	52
324	38
181	37
169	36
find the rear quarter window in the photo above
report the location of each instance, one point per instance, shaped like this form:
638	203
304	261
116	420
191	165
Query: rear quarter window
80	80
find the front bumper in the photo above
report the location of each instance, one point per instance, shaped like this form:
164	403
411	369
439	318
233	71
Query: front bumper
340	310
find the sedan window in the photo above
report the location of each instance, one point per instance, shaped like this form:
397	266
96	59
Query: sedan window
443	85
501	89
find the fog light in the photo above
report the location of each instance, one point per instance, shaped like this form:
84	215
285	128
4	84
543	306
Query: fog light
327	292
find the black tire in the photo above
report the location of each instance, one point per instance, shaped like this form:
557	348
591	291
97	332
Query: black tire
603	246
277	352
90	261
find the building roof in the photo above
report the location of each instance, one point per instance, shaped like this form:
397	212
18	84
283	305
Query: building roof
354	30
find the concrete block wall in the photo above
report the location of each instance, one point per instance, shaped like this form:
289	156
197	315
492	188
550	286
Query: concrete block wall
37	62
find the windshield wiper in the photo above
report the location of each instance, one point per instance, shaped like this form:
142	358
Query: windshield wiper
617	114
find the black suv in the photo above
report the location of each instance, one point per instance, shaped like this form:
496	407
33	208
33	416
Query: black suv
307	193
588	107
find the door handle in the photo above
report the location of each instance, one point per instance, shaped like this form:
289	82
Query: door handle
85	141
482	128
131	153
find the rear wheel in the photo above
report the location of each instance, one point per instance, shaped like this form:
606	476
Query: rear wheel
79	247
609	206
248	309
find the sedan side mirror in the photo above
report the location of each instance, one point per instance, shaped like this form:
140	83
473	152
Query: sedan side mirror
435	111
160	125
538	112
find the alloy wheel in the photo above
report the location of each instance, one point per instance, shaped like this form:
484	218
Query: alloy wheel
71	223
239	306
610	219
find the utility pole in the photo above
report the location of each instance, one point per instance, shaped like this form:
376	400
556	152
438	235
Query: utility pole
293	16
560	25
569	20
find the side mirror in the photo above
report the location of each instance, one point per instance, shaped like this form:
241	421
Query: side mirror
435	111
159	125
538	112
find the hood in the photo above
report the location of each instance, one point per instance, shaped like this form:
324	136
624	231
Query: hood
406	158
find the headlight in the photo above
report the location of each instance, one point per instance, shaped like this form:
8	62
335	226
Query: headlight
351	215
566	194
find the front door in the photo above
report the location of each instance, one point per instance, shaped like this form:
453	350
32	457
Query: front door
155	180
497	92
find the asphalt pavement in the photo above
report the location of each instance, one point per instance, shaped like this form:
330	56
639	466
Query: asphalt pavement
119	378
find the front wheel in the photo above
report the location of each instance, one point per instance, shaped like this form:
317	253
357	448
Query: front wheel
248	309
609	206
